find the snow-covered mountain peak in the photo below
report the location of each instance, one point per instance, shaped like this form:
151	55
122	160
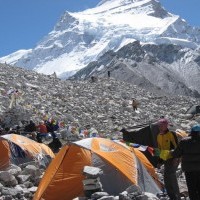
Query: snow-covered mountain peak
148	7
82	37
66	20
117	2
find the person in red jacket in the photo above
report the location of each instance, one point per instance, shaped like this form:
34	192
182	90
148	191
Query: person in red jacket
42	131
41	128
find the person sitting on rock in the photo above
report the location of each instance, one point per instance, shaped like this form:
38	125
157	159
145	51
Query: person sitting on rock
31	127
41	128
5	131
42	131
55	145
30	130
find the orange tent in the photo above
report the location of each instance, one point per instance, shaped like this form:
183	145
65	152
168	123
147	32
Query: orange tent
149	167
18	149
180	134
121	169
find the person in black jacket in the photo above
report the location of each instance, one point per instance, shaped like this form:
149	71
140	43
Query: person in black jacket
55	145
108	74
189	150
31	127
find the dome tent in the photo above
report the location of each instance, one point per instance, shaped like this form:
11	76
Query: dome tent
17	149
63	177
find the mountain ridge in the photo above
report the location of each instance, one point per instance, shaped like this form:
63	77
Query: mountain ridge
156	67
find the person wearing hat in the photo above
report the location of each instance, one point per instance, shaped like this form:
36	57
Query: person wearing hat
167	141
189	150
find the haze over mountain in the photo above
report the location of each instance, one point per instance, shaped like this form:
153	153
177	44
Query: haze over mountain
82	37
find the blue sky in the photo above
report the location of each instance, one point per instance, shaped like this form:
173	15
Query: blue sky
25	22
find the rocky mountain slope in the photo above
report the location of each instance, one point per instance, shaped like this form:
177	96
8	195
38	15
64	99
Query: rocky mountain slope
165	67
104	104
